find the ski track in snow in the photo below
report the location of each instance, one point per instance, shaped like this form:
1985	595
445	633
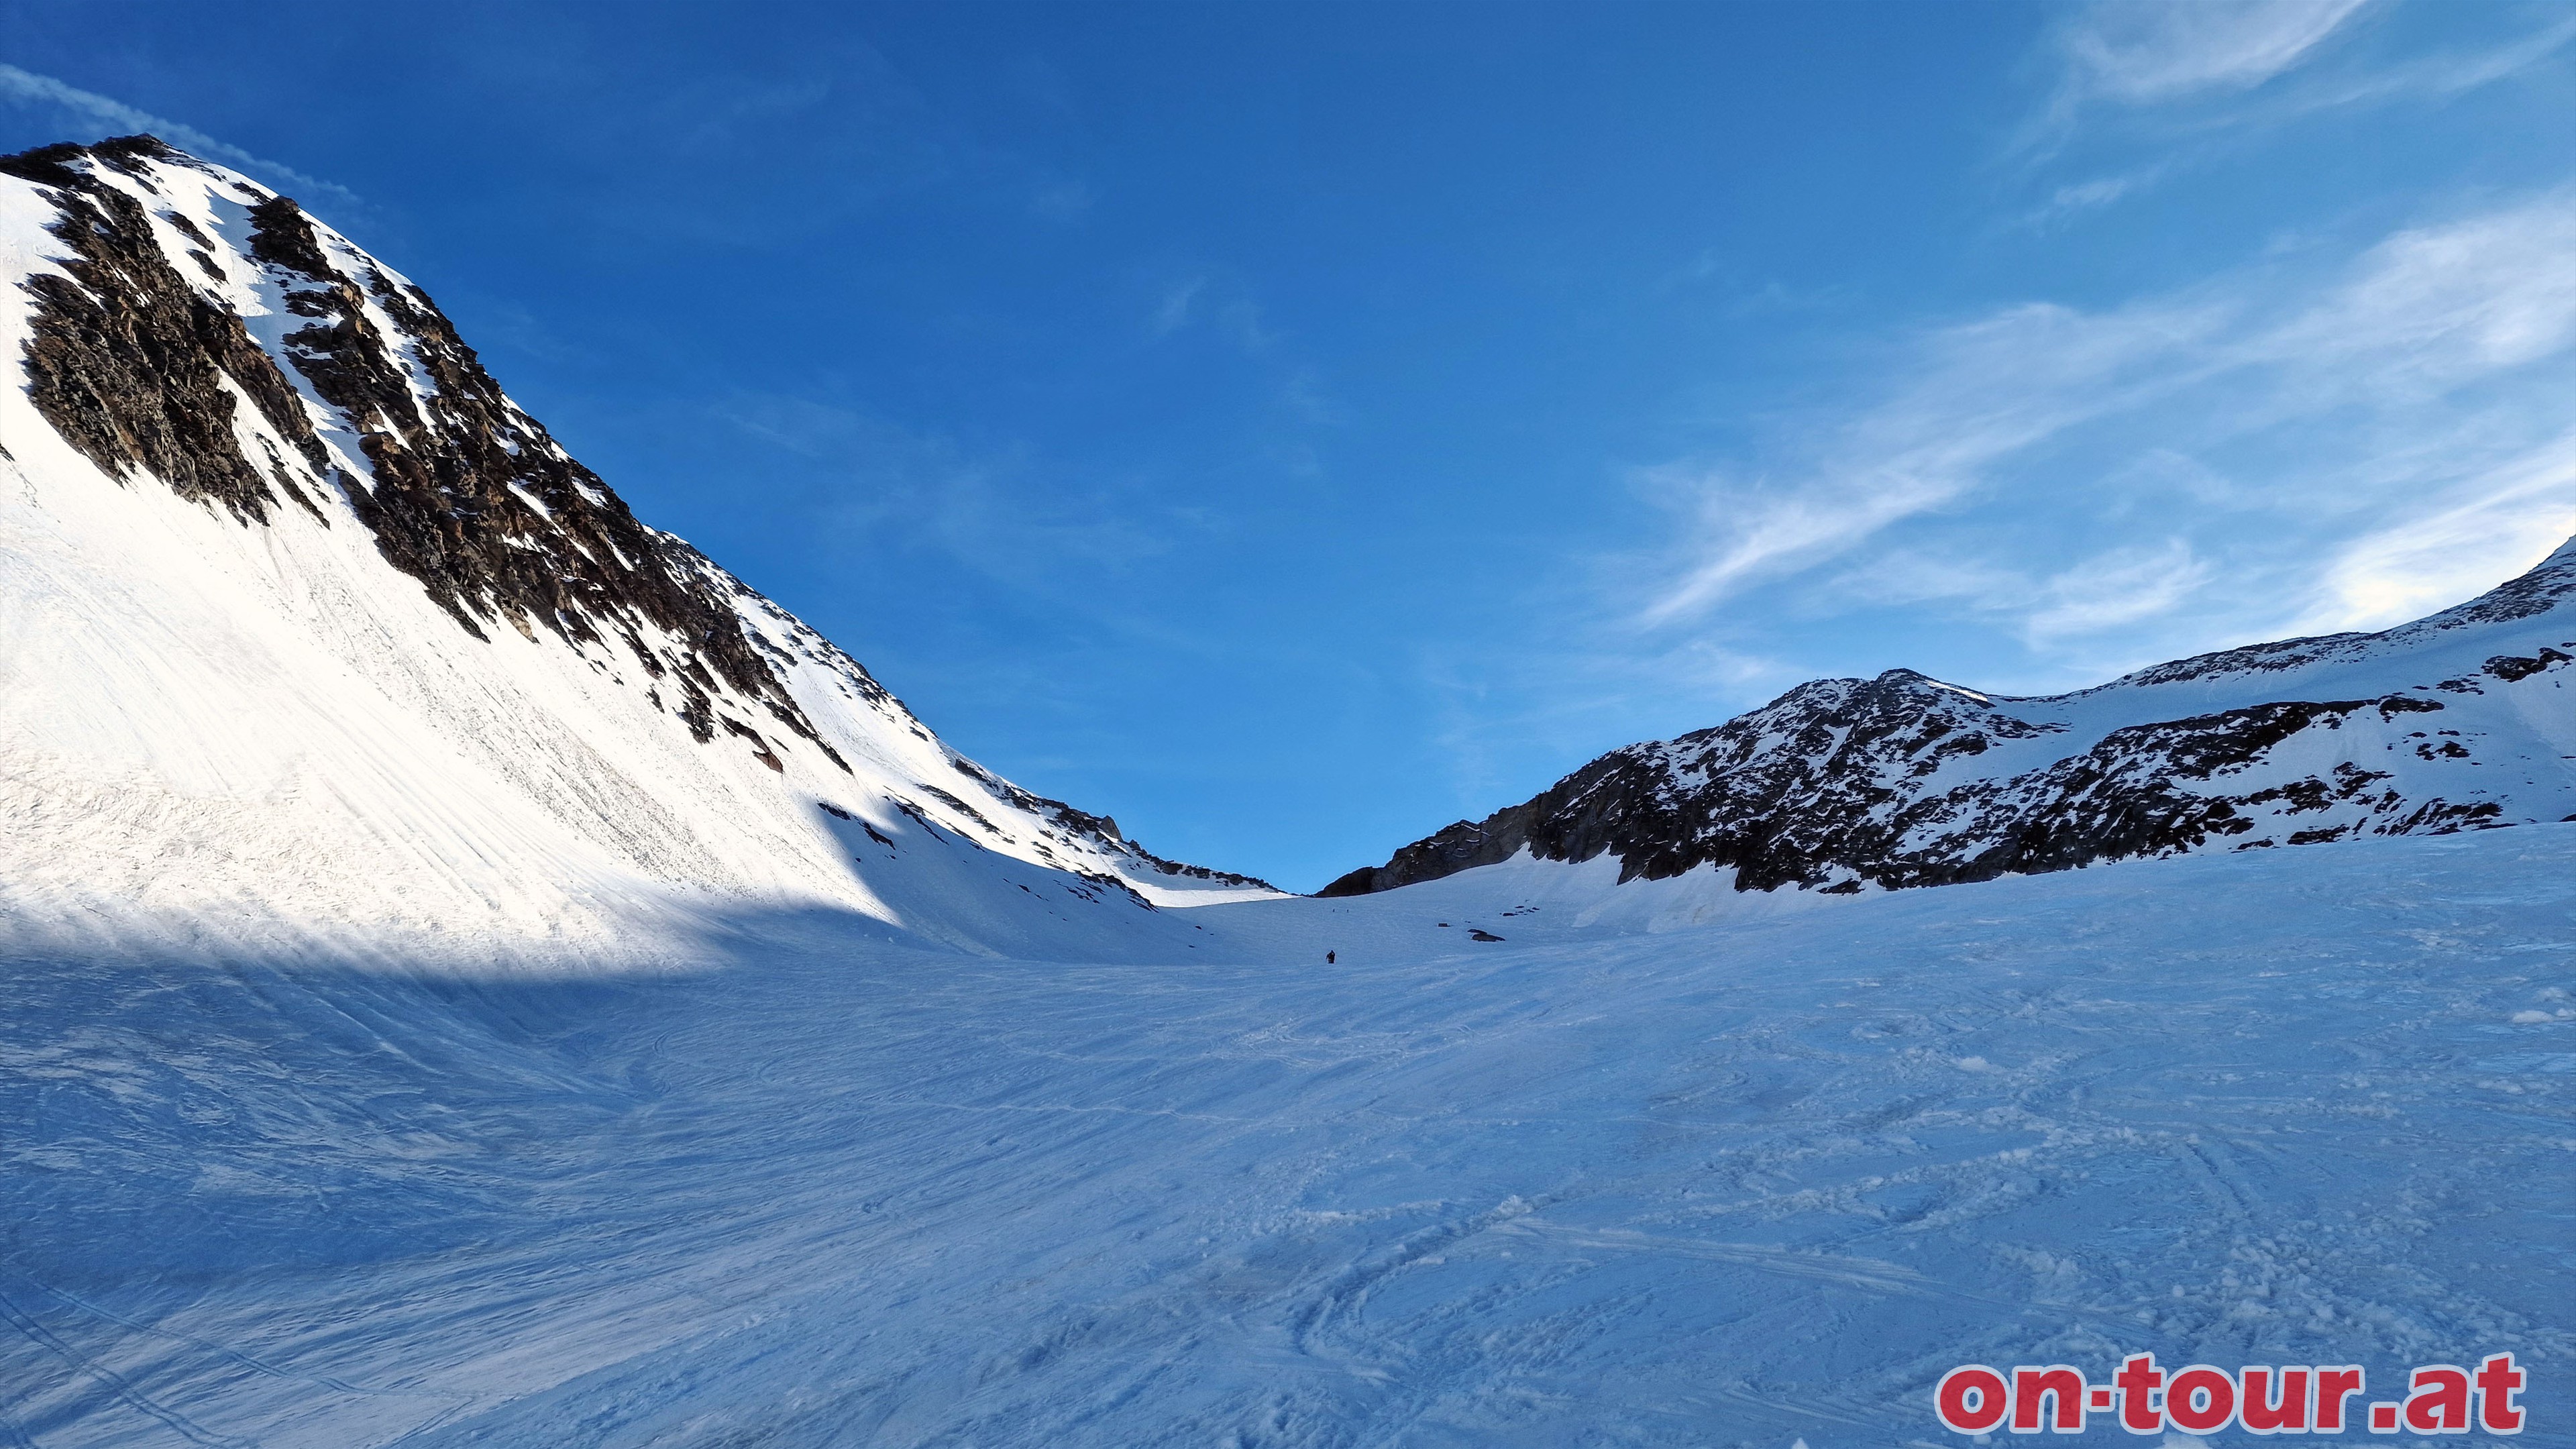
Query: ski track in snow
1610	1183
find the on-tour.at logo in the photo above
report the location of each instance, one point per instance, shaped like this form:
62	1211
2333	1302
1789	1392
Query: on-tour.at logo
2258	1398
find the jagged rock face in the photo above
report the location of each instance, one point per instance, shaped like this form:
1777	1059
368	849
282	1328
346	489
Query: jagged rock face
344	505
129	358
1899	781
465	492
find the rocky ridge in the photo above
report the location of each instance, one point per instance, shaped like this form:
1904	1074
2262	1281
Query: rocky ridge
189	333
2457	721
463	491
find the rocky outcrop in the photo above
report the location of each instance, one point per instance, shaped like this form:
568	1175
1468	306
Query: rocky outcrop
187	329
1899	781
464	492
130	360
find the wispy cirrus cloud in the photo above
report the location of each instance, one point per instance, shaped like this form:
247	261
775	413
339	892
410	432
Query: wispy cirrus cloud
2144	52
2392	422
2116	586
1179	305
1969	399
2191	78
2077	198
2132	58
2444	73
2504	515
25	87
1222	304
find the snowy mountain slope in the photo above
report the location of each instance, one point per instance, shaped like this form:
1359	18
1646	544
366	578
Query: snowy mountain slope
321	658
311	630
2461	720
1707	1187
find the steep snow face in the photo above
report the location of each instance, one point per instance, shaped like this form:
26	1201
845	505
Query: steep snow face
2463	720
311	629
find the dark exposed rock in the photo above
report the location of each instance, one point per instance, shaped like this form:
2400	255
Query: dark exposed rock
961	807
1836	786
1783	794
759	746
914	813
198	330
466	493
128	359
2510	667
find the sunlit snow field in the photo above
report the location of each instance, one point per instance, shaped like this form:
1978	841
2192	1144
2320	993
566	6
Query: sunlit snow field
1757	1179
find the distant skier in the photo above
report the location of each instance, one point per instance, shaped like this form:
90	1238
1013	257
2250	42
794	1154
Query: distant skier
1328	958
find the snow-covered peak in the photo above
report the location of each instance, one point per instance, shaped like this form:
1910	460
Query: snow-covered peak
314	626
2457	721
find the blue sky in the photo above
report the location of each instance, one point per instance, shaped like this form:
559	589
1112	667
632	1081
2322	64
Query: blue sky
1293	427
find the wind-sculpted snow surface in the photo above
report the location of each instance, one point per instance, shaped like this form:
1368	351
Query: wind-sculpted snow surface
316	636
1627	1182
2460	721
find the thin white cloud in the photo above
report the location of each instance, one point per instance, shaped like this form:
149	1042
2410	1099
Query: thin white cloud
1180	303
2432	307
2112	588
1754	531
1305	397
28	88
2293	436
2121	586
2084	196
2494	523
1224	305
1742	294
2080	197
1978	395
2146	52
2439	75
2222	70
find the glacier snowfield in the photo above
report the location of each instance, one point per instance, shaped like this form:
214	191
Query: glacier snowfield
1749	1181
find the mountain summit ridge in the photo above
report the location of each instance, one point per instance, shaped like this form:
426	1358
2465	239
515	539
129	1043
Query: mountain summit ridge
1843	785
319	625
313	624
461	489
